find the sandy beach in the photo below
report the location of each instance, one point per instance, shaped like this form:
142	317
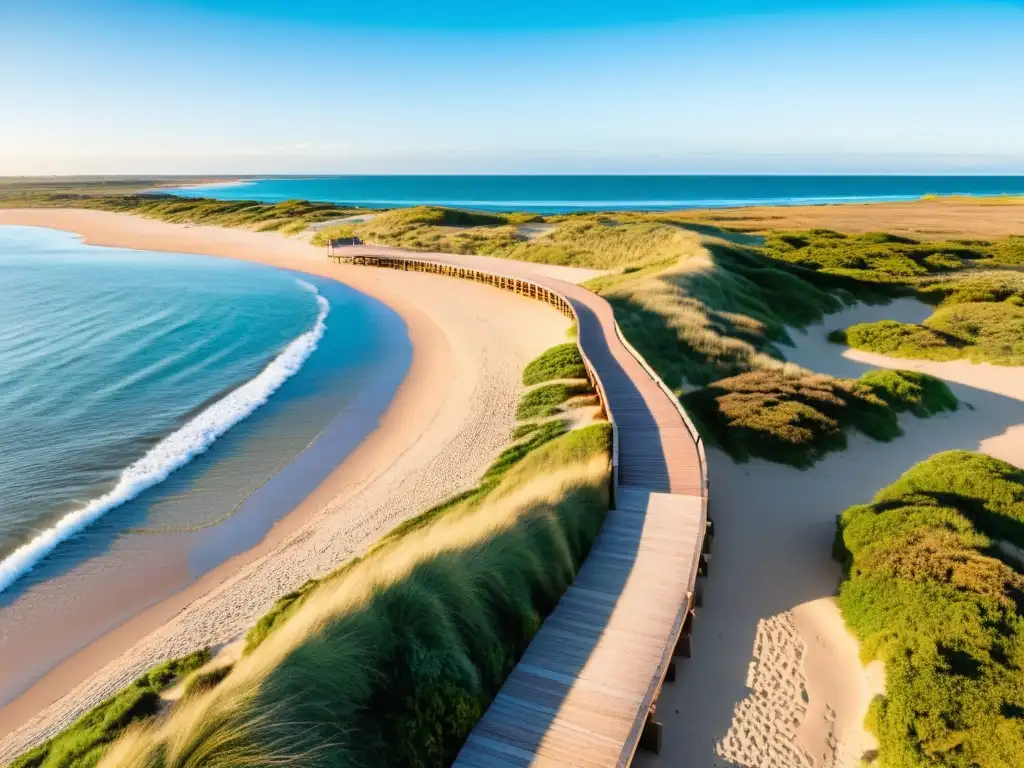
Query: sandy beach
775	679
452	414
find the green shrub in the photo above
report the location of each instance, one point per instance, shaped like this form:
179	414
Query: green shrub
797	418
980	332
919	393
926	595
560	362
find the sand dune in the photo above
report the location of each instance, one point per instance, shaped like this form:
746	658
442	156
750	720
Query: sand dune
775	680
452	415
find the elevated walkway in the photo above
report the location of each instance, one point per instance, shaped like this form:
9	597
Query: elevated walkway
584	694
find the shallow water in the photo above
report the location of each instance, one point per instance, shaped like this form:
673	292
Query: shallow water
147	392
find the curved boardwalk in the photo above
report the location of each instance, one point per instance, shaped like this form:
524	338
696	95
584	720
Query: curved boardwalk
585	691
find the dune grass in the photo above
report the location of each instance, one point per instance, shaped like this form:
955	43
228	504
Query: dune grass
546	400
586	240
979	332
927	592
82	744
720	312
392	662
288	217
796	418
560	362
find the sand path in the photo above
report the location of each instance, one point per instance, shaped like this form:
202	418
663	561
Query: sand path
451	416
775	680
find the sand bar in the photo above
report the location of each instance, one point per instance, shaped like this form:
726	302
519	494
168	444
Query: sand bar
775	678
451	416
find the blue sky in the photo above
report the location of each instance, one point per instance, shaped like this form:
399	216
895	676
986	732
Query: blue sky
315	86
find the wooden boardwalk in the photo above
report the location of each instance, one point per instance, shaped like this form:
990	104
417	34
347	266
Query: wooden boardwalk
585	691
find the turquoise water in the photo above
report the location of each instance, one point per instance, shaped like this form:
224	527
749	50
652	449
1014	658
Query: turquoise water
555	194
145	392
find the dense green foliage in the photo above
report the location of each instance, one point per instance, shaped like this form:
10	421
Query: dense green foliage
82	744
796	418
928	593
980	332
560	362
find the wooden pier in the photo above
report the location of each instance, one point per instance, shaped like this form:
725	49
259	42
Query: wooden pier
585	692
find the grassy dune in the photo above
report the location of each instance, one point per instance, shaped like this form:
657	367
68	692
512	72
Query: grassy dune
930	592
393	661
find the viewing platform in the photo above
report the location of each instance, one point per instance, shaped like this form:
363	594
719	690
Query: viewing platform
585	692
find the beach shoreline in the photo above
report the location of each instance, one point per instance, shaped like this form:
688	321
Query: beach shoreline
451	414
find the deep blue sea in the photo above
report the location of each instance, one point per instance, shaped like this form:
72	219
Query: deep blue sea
558	194
146	392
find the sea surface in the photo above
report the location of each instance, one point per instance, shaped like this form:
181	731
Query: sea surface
146	392
560	194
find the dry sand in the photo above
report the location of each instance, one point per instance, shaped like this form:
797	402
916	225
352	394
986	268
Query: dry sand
451	416
775	679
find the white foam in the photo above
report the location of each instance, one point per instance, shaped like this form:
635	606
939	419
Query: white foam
175	450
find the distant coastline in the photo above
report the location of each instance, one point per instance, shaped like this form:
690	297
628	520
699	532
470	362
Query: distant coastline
568	194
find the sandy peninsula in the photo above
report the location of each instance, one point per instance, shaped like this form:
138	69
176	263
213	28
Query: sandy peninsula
452	414
775	679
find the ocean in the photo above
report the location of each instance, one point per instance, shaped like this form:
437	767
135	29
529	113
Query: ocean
145	393
562	194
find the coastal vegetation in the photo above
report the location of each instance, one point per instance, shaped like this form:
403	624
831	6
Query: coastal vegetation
83	743
796	418
288	217
932	588
560	362
392	658
979	332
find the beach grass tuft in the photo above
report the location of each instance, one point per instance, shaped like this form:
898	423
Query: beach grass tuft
560	362
82	744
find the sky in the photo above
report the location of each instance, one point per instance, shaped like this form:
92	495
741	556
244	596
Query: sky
531	86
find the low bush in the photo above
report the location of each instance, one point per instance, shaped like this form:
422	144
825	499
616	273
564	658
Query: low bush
980	332
83	743
927	594
797	418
